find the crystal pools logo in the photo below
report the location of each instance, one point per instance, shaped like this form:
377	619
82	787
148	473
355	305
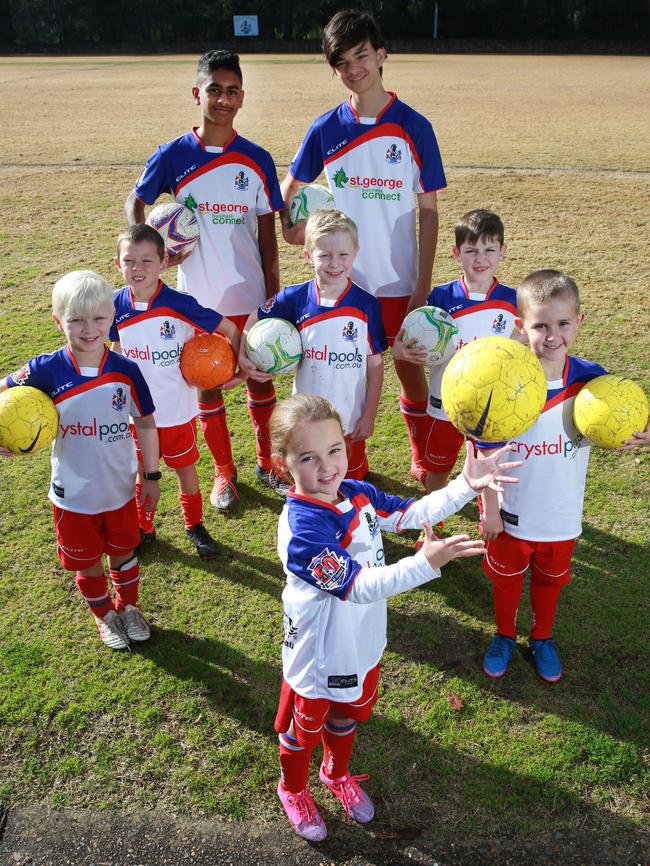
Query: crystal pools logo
92	429
166	358
384	188
338	360
563	446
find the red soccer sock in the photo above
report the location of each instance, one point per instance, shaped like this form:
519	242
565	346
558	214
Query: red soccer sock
544	597
507	595
418	424
126	583
338	741
294	764
94	591
260	407
215	431
192	505
145	514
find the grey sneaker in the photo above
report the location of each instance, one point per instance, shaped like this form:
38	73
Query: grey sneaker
277	484
224	492
137	627
112	630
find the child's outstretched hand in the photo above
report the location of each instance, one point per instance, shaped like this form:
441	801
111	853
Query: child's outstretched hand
248	370
5	452
409	351
485	472
440	551
641	437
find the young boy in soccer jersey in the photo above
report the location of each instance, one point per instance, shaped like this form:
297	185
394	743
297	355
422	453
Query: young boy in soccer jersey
231	185
93	457
481	306
152	324
341	331
379	157
535	523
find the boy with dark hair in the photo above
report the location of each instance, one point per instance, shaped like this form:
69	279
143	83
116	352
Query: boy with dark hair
379	155
231	185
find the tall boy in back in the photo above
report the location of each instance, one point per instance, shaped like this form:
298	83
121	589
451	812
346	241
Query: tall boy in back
481	306
536	522
152	324
93	457
231	185
341	331
379	156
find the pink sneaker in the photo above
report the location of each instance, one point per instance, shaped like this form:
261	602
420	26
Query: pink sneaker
301	810
356	802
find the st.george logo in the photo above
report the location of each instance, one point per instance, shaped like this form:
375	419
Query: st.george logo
328	569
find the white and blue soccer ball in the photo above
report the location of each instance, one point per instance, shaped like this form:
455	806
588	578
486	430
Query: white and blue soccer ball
178	226
274	346
308	199
434	329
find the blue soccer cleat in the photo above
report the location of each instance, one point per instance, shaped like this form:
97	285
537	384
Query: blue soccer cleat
498	655
547	659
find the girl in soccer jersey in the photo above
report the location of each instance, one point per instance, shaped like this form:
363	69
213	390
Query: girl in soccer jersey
329	541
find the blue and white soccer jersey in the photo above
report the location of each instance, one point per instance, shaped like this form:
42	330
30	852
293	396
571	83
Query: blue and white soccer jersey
374	166
337	581
227	188
337	338
475	315
546	504
93	455
153	333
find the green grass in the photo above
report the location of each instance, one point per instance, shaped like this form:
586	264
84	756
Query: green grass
184	723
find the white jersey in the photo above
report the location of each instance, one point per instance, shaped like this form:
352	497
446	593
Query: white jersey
93	456
153	334
337	581
227	188
546	504
475	315
337	338
374	167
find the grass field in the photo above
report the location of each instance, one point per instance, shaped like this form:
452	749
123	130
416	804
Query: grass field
558	147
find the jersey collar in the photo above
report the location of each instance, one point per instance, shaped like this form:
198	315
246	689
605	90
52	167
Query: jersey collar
195	133
381	113
463	286
340	297
151	299
317	502
73	361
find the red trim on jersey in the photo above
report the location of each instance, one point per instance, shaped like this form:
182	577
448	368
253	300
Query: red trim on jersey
381	113
340	297
133	301
565	394
485	305
292	493
385	130
94	383
335	313
565	371
226	159
358	503
195	133
160	312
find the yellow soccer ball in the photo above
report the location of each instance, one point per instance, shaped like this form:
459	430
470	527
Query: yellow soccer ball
609	409
28	420
493	389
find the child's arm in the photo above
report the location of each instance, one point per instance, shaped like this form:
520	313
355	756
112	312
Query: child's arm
229	330
639	438
150	449
268	245
292	234
409	351
428	241
248	369
374	380
491	523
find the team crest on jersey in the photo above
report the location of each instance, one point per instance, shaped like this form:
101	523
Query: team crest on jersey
393	155
499	324
22	375
241	181
350	332
373	523
328	569
267	306
119	400
167	331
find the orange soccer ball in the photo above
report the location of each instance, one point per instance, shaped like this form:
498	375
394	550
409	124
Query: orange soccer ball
208	361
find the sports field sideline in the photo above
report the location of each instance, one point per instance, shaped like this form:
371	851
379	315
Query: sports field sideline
558	147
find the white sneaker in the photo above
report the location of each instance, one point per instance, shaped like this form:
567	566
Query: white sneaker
137	627
112	631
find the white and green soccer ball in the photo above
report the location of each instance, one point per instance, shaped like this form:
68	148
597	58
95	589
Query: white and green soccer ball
274	346
308	199
434	329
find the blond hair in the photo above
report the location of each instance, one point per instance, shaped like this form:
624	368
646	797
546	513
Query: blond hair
295	410
326	221
80	293
540	287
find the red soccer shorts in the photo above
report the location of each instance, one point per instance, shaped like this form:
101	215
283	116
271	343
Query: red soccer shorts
393	311
509	557
178	446
310	714
443	445
82	539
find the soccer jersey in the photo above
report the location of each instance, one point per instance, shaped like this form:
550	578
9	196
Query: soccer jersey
227	188
337	338
337	581
373	168
475	315
152	333
546	504
93	455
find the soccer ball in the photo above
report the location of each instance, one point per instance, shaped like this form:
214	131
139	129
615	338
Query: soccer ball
493	389
28	420
308	199
208	361
434	329
178	226
609	409
274	346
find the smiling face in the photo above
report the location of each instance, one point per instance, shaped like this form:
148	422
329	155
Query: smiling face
332	256
480	261
359	68
220	96
551	327
87	333
140	264
317	459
